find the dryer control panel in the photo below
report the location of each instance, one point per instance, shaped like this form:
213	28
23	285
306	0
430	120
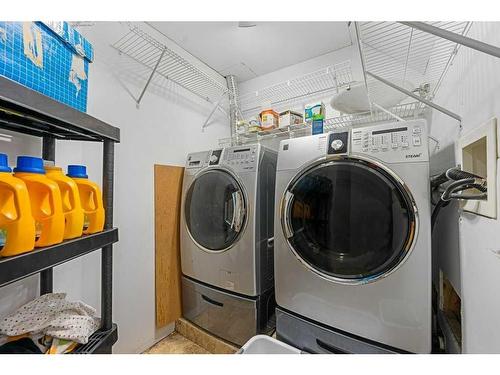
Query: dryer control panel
241	158
392	142
197	160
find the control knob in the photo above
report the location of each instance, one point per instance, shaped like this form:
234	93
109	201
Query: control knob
337	144
213	158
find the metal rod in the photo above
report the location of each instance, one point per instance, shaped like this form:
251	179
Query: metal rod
47	276
107	251
150	77
363	65
407	57
414	96
454	37
450	60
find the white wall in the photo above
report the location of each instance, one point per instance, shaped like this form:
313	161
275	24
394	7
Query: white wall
467	244
165	128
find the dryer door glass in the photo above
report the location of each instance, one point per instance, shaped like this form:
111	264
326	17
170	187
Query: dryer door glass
215	210
349	220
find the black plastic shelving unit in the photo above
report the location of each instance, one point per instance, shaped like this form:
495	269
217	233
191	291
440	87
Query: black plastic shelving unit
26	111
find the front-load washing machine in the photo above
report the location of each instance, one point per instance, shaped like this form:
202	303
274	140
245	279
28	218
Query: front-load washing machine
227	223
353	240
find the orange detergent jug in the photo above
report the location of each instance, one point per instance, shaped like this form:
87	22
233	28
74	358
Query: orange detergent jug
17	226
46	204
72	207
91	198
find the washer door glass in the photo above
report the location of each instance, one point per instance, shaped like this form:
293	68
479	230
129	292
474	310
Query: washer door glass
349	220
215	210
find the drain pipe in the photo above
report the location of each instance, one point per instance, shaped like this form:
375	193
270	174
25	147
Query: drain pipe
233	102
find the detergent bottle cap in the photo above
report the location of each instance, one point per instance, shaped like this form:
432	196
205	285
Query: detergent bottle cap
77	171
29	164
4	164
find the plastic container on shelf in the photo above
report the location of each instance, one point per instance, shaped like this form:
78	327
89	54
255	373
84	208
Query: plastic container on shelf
17	226
262	344
91	199
314	111
45	197
71	204
269	119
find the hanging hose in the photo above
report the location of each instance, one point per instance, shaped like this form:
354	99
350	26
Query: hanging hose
461	181
435	211
457	174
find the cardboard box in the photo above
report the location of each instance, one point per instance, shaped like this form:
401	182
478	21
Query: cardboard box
288	118
317	127
49	57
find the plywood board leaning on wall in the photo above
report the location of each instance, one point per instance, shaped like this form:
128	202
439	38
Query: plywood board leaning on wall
168	186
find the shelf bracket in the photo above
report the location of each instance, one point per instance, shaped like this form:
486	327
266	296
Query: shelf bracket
216	106
414	96
456	38
150	77
388	112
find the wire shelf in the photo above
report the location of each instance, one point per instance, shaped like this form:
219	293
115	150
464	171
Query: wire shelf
405	111
280	96
146	50
408	57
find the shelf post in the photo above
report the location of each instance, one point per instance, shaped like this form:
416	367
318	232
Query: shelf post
47	276
233	103
107	251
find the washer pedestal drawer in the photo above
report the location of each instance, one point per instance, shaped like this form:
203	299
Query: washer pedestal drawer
312	337
232	317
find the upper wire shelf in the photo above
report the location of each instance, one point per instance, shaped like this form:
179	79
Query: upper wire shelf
405	111
412	59
280	96
162	60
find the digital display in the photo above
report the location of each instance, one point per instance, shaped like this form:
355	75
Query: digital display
242	150
194	162
389	131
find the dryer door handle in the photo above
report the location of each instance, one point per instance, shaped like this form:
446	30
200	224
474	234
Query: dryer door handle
286	214
238	211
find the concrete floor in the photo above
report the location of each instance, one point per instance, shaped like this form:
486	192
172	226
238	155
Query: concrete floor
175	343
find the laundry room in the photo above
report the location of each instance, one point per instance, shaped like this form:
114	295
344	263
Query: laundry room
222	182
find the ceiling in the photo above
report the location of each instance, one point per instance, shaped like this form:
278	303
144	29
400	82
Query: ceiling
248	52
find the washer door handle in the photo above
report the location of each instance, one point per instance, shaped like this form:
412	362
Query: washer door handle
286	214
238	211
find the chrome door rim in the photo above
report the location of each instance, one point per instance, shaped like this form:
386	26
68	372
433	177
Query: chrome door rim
399	183
245	200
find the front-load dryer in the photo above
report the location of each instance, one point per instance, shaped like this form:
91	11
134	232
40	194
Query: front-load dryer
227	224
353	240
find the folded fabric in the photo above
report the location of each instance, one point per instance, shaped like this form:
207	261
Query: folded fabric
52	315
60	346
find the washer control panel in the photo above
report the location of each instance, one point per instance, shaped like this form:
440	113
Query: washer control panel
241	158
337	143
392	142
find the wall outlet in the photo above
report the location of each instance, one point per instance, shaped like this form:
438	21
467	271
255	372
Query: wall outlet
479	152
